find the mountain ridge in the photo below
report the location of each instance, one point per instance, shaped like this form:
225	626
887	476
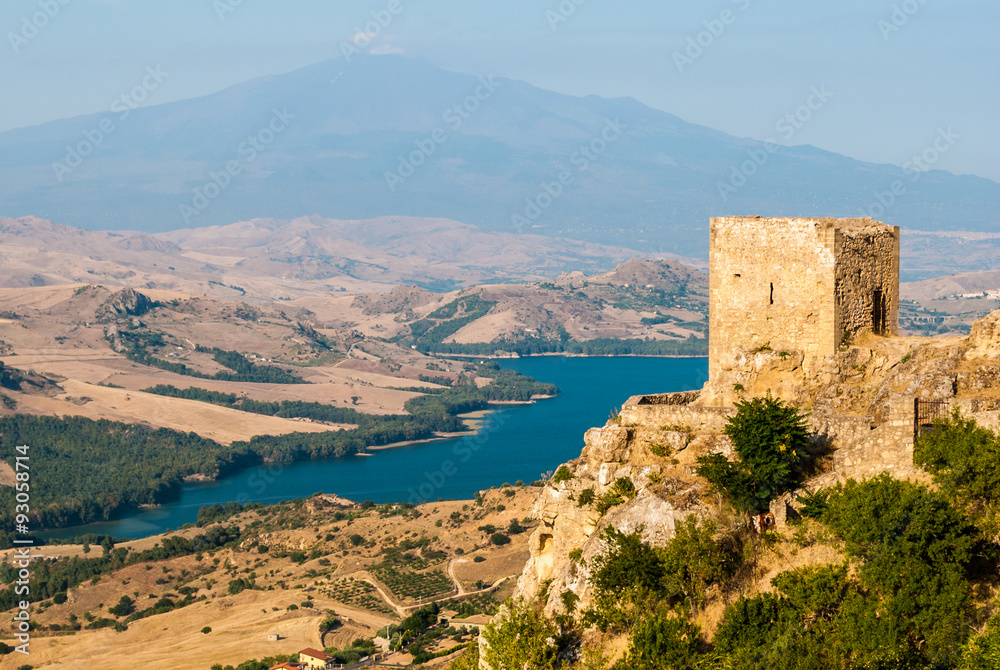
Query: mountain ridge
653	187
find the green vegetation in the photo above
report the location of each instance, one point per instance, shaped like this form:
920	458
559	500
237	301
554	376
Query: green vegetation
9	378
907	603
429	333
631	576
771	439
522	638
413	585
662	640
96	470
253	664
563	474
964	459
357	593
418	631
284	408
354	652
479	604
622	490
137	342
51	578
914	591
533	346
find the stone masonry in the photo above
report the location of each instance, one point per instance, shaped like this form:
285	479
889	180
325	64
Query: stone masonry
799	285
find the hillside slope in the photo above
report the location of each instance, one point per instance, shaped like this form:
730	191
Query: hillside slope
636	476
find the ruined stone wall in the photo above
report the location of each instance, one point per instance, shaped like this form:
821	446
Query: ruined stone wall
861	449
796	284
673	409
857	447
867	280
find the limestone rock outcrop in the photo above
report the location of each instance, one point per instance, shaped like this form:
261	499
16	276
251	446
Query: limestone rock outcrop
127	302
862	404
655	460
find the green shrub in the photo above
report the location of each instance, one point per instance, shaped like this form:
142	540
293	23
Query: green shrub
816	591
750	623
521	638
982	652
124	607
963	457
628	565
563	474
622	490
915	550
586	497
569	600
771	439
662	640
693	560
499	539
238	585
515	527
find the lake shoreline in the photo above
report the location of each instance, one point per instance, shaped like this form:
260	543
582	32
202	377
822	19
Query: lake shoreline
512	442
559	354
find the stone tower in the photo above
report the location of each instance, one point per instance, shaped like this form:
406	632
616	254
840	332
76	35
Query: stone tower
799	285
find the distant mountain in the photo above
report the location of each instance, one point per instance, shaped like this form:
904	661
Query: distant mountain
309	256
328	139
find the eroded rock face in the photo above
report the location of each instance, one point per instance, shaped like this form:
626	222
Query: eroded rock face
606	445
665	494
985	336
127	302
860	403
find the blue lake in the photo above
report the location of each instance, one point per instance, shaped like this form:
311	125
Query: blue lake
517	442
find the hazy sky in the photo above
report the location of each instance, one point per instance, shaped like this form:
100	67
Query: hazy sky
898	70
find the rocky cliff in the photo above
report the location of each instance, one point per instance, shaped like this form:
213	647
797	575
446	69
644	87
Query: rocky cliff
638	469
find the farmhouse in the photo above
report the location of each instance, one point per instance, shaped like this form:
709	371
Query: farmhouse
313	659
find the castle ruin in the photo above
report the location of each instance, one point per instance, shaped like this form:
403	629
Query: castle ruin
799	285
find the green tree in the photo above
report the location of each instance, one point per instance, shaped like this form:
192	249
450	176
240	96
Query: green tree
467	661
662	640
693	560
964	459
771	439
914	550
521	638
983	651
